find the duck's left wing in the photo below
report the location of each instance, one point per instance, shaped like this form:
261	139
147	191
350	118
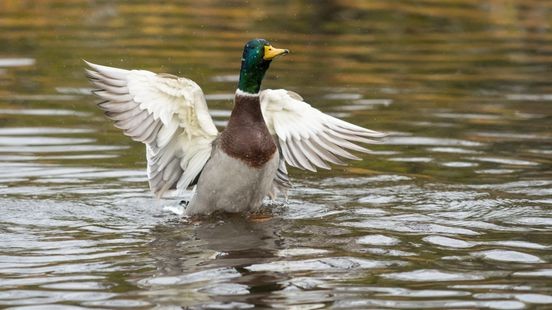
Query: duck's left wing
165	112
308	138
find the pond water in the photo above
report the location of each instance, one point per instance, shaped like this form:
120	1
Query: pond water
453	210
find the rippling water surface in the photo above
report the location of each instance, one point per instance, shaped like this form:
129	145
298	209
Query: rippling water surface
454	210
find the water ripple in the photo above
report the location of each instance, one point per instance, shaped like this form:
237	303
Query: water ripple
451	211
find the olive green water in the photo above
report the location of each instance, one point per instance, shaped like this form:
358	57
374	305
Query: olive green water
454	210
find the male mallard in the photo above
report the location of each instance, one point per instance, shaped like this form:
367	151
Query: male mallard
236	169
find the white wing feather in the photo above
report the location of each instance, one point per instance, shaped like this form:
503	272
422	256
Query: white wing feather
307	137
167	113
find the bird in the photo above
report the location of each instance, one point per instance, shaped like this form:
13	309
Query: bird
234	170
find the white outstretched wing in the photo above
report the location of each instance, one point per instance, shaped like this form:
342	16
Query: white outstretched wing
308	138
167	113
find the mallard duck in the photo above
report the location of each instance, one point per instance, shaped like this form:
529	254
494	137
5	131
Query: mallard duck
234	170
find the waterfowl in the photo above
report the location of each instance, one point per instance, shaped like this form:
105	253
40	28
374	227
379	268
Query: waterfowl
234	170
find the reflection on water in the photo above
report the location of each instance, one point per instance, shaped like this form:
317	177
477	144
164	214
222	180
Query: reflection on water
453	210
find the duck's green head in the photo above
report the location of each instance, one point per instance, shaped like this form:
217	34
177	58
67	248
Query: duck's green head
257	55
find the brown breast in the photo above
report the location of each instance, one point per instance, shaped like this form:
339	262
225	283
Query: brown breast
247	138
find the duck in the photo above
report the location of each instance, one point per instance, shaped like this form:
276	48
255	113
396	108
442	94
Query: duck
233	170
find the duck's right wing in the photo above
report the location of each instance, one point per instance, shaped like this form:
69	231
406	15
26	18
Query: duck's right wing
167	113
307	137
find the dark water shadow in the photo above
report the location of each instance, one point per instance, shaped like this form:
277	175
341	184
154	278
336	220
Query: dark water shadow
208	258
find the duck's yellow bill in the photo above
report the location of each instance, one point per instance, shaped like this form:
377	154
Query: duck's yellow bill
271	52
